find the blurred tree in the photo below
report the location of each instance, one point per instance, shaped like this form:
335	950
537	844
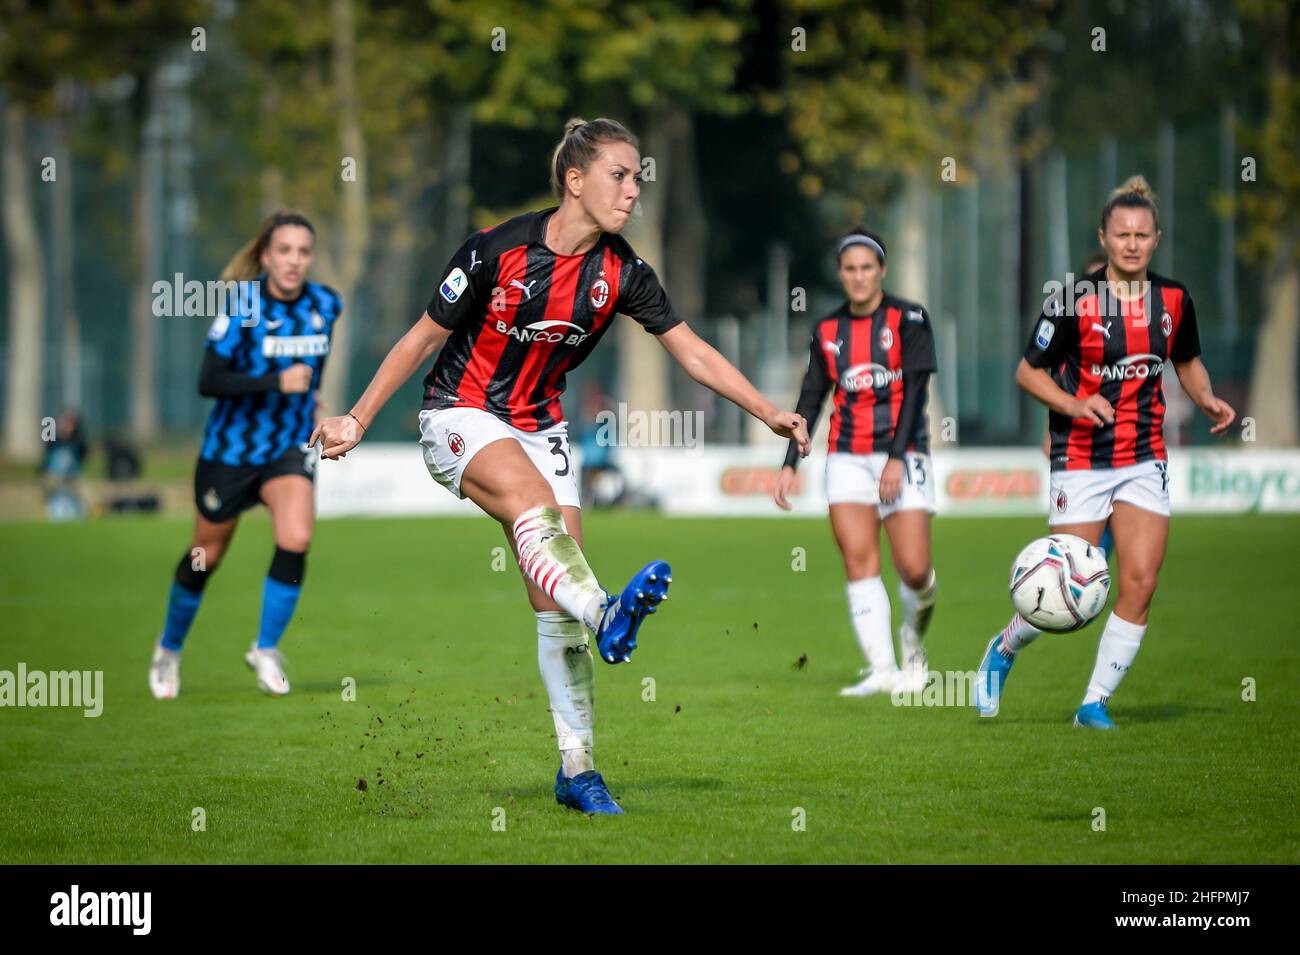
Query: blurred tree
654	66
1271	203
898	100
90	42
29	57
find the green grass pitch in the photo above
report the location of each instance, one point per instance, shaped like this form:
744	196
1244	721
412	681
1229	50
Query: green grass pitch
450	722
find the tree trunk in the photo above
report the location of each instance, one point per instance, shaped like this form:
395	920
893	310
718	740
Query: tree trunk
1273	388
25	358
394	309
642	362
146	226
64	271
686	257
352	231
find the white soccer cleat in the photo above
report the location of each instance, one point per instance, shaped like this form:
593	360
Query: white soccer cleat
165	673
877	681
916	662
269	667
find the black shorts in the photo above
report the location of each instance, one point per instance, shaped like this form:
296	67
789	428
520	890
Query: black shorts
222	492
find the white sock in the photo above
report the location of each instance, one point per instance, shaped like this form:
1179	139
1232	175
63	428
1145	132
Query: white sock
1017	635
918	605
869	609
552	559
1119	646
564	658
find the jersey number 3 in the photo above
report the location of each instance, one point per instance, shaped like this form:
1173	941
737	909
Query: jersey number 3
557	447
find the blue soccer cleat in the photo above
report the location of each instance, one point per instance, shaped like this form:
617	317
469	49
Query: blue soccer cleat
991	678
587	793
1094	716
616	635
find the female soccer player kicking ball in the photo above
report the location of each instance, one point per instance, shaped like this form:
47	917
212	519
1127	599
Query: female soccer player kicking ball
1107	344
263	367
521	305
877	353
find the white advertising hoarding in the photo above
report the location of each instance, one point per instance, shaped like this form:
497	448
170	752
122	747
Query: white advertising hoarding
723	480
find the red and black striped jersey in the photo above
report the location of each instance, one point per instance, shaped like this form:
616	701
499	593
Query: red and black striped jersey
1093	342
522	317
864	358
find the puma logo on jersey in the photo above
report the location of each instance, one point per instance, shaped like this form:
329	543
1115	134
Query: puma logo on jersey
526	289
273	324
1104	329
474	260
833	347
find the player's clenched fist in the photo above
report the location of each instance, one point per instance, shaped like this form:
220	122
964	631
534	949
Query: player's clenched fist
337	436
787	424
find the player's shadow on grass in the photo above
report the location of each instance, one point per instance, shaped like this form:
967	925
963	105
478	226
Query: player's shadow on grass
618	785
1137	715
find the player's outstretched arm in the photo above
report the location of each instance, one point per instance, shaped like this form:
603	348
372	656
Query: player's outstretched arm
341	434
1038	383
1196	382
706	365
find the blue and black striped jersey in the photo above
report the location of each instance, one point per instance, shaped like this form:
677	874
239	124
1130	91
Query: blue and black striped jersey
267	337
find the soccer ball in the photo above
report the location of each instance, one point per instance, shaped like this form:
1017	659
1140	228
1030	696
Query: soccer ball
1060	583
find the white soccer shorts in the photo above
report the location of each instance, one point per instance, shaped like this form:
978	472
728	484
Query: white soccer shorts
450	437
1083	497
855	479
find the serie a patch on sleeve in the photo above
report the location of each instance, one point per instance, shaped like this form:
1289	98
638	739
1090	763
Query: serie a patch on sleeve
1045	332
454	285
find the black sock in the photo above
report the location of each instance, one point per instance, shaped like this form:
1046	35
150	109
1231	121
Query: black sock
288	567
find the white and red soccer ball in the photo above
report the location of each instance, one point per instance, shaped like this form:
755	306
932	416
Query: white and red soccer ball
1060	583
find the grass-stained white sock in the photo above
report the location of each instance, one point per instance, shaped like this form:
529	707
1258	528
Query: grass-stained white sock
551	558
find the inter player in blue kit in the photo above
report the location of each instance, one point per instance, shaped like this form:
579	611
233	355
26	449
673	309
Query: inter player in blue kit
263	364
519	306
